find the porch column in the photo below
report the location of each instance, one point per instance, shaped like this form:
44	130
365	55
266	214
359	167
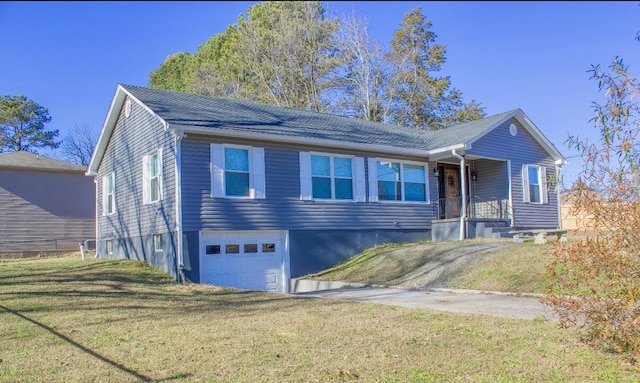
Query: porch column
463	185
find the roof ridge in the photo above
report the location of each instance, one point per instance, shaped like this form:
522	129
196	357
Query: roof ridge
27	160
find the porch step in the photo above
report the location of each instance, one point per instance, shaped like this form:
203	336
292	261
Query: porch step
492	229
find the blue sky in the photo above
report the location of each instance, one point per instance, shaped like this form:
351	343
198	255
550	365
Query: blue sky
70	56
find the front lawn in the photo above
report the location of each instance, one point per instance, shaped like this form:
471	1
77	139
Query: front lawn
65	320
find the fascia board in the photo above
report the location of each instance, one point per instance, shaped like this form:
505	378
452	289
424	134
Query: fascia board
538	136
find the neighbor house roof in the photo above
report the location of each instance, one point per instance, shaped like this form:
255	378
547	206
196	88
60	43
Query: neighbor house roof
22	160
192	113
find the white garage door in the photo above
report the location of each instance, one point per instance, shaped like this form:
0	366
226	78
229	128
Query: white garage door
253	260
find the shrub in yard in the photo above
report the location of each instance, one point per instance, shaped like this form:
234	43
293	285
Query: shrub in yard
595	282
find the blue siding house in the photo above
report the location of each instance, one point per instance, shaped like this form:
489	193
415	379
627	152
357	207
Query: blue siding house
246	195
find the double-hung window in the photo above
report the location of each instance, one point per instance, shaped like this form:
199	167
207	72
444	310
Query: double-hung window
237	171
398	181
534	183
108	194
152	177
331	177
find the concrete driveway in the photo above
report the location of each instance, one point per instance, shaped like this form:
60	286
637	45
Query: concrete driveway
463	301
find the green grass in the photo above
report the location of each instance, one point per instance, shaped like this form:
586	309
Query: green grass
473	264
65	320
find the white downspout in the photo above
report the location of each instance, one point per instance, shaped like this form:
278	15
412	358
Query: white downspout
95	181
463	185
179	135
558	197
511	209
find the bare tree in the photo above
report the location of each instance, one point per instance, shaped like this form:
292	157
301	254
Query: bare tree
366	82
78	145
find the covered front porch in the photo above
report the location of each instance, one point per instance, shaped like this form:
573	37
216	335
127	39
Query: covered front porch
474	197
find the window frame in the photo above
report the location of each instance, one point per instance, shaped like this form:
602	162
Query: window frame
403	200
109	246
157	243
257	171
147	177
106	194
542	184
249	172
332	177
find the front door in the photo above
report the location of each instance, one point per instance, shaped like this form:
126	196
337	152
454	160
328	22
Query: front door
451	189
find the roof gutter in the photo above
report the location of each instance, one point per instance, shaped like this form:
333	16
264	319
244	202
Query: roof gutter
449	148
463	185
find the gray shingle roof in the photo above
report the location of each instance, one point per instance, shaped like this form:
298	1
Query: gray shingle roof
29	161
463	133
185	110
190	110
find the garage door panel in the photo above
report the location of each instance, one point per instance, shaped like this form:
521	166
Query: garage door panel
246	260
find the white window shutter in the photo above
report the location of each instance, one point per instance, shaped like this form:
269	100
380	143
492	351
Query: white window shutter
427	195
104	195
217	170
146	193
258	173
113	190
360	181
305	176
373	179
160	175
525	183
543	185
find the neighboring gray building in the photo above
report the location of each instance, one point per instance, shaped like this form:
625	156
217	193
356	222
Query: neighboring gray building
240	194
46	205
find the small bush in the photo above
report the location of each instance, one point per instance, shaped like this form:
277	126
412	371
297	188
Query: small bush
595	282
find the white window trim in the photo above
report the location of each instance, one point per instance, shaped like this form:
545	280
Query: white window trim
156	248
146	178
357	177
105	194
257	178
373	180
542	184
109	246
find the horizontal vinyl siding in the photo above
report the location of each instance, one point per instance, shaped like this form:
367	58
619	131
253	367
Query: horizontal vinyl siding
282	209
521	149
492	181
41	211
133	138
